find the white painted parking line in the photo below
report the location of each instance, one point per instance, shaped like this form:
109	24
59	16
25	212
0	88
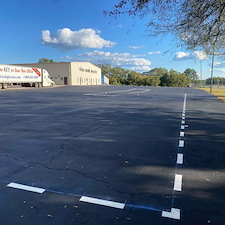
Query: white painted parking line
184	105
181	134
102	202
178	182
26	188
174	214
180	158
181	143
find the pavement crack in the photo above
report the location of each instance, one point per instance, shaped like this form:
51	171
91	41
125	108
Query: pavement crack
85	175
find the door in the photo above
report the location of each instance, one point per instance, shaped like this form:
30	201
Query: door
65	80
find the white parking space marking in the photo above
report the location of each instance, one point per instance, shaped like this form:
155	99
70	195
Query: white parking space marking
181	143
102	202
180	158
139	92
174	214
178	182
182	134
119	92
184	105
26	188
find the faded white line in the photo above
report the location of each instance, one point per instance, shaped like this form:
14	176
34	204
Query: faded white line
102	202
173	214
181	143
110	92
180	158
139	92
26	187
178	182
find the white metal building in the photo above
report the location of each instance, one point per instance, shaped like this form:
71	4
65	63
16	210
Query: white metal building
71	73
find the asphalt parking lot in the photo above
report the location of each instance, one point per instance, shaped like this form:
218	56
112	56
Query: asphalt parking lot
111	155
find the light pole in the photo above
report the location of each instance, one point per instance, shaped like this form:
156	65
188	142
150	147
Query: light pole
212	67
200	73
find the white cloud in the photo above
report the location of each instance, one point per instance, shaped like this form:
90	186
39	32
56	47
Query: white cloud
219	70
196	55
154	53
136	47
219	64
200	55
67	57
66	39
183	56
116	59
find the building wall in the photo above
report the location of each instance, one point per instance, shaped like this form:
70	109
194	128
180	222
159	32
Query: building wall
58	72
71	73
105	80
84	73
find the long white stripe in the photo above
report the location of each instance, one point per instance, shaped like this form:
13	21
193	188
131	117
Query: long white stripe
178	182
184	105
180	158
174	214
102	202
26	188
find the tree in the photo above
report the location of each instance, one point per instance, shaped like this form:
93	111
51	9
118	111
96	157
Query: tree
156	72
198	24
134	78
174	79
202	20
192	75
113	80
216	81
151	80
44	60
106	69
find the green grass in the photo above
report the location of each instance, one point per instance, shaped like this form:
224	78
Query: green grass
219	93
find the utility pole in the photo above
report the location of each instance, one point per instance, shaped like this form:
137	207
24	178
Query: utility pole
212	68
200	72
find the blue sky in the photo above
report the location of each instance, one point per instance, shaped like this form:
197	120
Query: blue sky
70	30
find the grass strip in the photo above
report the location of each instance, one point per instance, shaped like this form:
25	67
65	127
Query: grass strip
219	93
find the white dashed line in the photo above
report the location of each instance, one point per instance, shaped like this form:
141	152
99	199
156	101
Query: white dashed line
178	182
181	134
102	202
181	143
180	158
174	214
26	187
